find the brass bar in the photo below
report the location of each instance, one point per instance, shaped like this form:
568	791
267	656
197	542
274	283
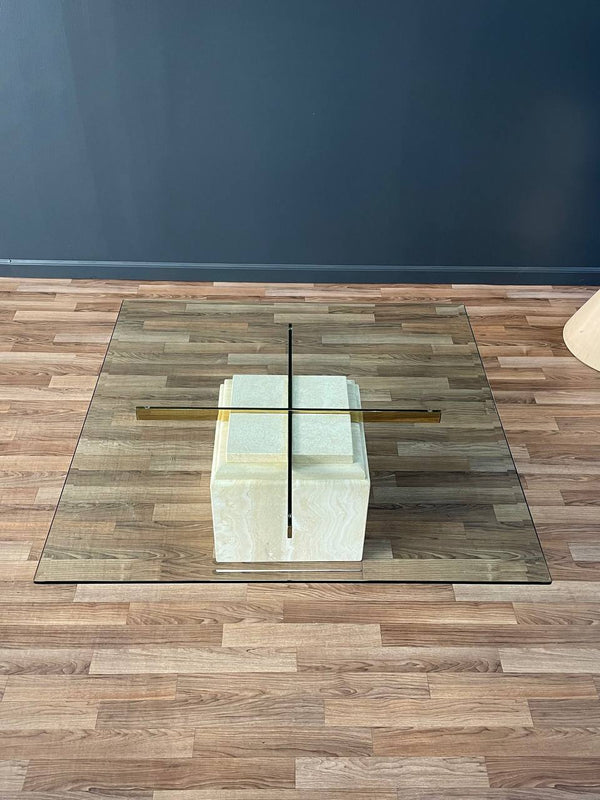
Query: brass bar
222	414
368	415
158	413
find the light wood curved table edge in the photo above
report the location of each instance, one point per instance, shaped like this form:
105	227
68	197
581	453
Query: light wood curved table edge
581	334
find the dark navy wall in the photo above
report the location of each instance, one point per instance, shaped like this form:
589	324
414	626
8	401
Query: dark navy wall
372	132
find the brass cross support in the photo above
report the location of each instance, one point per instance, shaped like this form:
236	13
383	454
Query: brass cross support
356	415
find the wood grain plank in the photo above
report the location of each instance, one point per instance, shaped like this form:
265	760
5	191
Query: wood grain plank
491	794
282	741
46	688
109	636
503	635
557	613
580	774
568	591
383	772
565	712
355	592
176	613
12	775
163	660
493	685
581	551
44	661
118	776
63	614
273	794
323	685
88	743
234	708
426	713
55	715
465	613
479	740
550	659
297	634
398	659
167	592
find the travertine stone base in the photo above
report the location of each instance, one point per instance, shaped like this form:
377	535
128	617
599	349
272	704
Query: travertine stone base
330	474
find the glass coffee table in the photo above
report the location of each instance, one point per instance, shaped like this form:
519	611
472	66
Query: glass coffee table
399	467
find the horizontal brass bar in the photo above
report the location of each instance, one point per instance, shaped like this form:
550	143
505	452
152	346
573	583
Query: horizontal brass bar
222	414
158	413
395	416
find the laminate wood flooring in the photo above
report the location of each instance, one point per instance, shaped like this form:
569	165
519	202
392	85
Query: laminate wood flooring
262	691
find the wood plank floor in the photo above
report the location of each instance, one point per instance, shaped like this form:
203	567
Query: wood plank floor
269	692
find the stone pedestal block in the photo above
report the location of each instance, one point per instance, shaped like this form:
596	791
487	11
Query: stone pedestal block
249	481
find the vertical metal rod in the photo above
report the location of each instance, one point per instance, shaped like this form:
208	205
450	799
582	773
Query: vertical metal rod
289	437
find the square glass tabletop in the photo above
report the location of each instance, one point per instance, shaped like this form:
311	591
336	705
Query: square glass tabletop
392	398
